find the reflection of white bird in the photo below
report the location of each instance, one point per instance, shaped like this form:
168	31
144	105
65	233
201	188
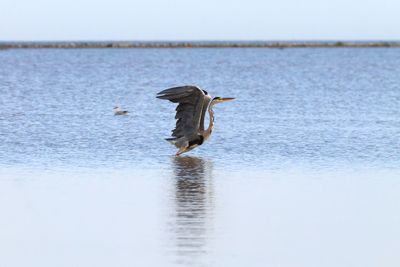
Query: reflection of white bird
118	111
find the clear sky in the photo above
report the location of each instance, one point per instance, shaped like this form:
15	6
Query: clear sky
199	20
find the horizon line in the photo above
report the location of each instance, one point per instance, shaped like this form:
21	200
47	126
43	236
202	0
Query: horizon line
198	44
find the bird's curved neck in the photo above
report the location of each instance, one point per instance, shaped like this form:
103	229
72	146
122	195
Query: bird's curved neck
208	132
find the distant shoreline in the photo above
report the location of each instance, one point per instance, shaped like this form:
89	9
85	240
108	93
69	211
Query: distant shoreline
199	44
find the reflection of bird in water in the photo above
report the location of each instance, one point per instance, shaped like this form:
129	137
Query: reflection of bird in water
193	207
190	114
118	111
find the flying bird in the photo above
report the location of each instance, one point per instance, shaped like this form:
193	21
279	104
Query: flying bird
118	111
193	103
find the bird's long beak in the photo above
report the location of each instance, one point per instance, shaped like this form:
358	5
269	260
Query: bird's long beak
226	99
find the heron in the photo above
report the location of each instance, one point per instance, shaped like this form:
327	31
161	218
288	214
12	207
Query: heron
193	103
118	111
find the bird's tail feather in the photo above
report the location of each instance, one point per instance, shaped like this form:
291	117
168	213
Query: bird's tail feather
171	140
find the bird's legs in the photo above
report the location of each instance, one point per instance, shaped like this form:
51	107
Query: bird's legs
185	149
181	150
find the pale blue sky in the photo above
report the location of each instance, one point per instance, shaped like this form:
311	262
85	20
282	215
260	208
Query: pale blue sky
199	20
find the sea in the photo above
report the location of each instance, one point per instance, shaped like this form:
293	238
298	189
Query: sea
302	168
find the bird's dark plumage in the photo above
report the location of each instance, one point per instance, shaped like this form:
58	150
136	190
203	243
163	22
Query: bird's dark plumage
192	106
193	103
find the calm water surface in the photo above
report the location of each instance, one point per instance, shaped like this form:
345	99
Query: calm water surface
303	169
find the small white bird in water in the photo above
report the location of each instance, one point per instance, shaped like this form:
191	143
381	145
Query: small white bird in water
118	111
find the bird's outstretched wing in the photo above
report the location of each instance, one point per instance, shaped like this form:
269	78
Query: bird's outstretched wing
191	100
